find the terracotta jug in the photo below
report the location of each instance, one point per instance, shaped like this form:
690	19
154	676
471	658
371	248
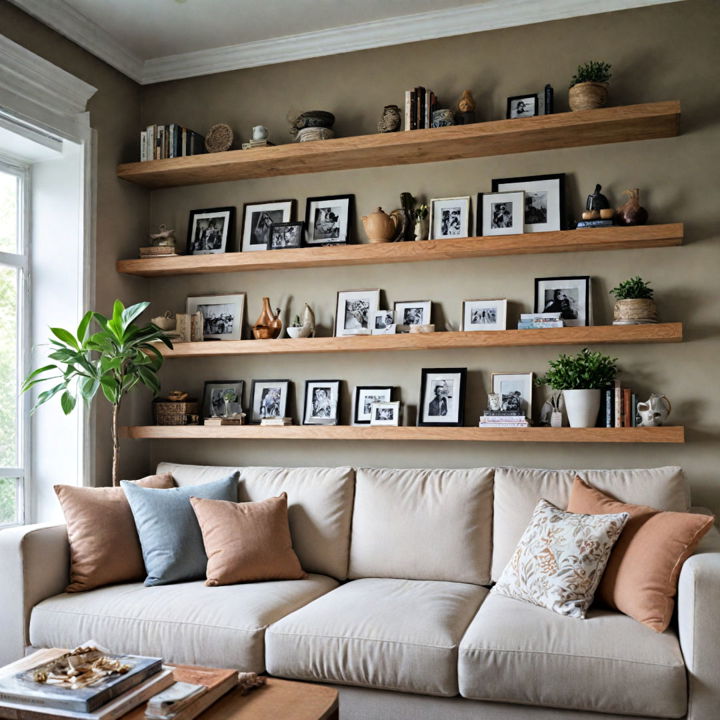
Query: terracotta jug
632	213
268	325
379	226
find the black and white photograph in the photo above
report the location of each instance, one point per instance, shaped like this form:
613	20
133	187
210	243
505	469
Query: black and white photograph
449	218
258	219
222	315
501	213
322	402
268	399
382	322
521	106
209	230
354	311
412	312
442	397
544	200
222	398
286	235
515	389
385	413
365	397
484	315
327	219
569	296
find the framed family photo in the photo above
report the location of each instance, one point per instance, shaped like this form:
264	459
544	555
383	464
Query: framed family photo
484	315
209	230
222	398
382	322
544	200
520	106
222	315
449	218
322	402
328	219
412	312
569	296
268	399
258	219
385	413
501	213
286	235
355	310
442	397
515	390
365	397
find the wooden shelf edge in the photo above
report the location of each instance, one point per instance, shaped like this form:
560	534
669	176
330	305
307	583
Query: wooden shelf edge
669	434
562	241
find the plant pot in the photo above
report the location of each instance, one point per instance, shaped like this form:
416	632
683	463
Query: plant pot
582	407
635	311
301	331
588	96
422	228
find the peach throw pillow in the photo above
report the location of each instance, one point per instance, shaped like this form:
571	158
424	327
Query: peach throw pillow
247	541
642	573
104	545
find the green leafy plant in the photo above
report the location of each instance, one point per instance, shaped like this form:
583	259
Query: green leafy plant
421	211
593	71
296	322
633	289
587	370
116	358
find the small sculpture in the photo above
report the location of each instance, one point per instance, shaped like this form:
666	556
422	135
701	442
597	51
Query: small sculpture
165	237
305	327
597	206
312	119
379	226
166	321
443	117
422	223
466	109
269	325
631	213
259	132
654	411
390	120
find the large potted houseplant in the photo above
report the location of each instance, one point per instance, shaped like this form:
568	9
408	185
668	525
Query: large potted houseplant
634	304
589	86
581	378
116	358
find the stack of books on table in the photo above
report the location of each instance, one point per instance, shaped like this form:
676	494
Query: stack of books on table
419	106
158	142
276	421
540	321
503	418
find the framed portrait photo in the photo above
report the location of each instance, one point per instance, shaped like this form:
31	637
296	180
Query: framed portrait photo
569	296
385	413
521	106
484	315
412	312
544	200
328	219
442	397
322	402
501	213
382	322
222	398
449	218
365	397
515	390
286	235
209	230
258	219
355	310
222	315
268	399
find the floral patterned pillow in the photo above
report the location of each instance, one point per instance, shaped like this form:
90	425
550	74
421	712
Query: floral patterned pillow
560	559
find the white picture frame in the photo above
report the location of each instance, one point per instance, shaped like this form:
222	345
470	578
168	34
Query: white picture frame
268	399
544	200
222	315
508	384
385	413
382	322
450	218
412	312
501	213
570	296
354	311
258	218
322	402
364	397
484	315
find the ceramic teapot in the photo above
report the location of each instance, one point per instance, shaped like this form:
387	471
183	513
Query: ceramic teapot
654	411
379	226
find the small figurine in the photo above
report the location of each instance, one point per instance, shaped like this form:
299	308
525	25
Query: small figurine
443	117
654	411
597	206
631	213
165	237
259	132
466	109
390	120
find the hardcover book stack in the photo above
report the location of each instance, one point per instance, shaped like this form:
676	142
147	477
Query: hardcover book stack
419	106
276	421
535	321
159	142
503	418
618	407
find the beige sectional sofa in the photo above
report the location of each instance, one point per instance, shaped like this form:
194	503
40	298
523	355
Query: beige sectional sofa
396	608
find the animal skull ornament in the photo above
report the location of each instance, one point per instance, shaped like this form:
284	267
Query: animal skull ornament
654	411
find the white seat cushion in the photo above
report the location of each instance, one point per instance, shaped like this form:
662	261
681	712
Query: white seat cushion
185	623
379	633
517	652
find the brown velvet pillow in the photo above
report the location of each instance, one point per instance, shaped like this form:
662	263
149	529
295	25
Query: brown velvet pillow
642	573
104	546
247	541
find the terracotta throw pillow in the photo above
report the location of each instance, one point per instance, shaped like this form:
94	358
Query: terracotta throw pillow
642	573
248	541
104	545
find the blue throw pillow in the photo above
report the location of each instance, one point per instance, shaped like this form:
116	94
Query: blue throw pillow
170	537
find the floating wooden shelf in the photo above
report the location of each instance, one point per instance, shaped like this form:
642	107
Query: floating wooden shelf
593	335
672	434
499	137
563	241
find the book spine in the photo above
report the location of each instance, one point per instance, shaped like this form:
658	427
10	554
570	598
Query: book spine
413	109
423	107
618	404
633	410
421	100
407	109
549	99
609	407
627	407
143	145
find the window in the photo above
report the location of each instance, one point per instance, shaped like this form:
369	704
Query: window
14	339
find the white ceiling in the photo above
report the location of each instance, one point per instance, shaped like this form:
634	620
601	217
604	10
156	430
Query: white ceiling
157	40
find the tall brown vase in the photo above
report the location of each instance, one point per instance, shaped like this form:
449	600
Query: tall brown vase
269	324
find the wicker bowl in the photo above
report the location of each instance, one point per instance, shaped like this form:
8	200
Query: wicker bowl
588	96
219	138
637	311
166	412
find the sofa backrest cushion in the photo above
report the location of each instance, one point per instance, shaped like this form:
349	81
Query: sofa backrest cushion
319	506
518	490
422	525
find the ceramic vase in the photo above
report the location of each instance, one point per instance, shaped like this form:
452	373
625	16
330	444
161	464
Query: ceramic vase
422	228
269	324
582	407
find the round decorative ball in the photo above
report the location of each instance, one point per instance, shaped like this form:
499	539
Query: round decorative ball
219	138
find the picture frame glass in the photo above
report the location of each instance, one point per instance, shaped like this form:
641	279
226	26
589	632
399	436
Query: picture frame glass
321	402
480	315
269	399
412	312
222	398
222	315
442	399
570	296
515	390
365	398
544	200
209	230
450	218
258	221
385	413
327	220
503	213
355	310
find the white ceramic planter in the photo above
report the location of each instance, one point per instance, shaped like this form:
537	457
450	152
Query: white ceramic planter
582	407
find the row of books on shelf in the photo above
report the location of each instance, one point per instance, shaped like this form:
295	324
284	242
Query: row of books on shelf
159	142
618	407
419	105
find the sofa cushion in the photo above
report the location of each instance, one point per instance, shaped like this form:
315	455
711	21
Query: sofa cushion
185	623
517	491
319	506
379	633
422	525
521	653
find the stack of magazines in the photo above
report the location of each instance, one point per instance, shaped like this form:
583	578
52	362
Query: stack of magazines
540	321
503	418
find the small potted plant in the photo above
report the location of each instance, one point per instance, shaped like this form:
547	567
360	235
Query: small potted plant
589	86
422	227
581	378
634	304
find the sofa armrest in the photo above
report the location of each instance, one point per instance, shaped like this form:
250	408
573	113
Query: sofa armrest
699	626
34	565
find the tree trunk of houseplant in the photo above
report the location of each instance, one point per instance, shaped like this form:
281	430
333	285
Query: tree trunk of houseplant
582	407
116	445
588	96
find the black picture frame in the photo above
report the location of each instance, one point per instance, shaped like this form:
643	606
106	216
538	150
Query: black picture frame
356	400
297	241
314	420
290	210
539	306
206	401
228	233
480	217
255	418
560	177
459	422
518	98
310	221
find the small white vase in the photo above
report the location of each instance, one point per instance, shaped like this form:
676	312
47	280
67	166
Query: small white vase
582	407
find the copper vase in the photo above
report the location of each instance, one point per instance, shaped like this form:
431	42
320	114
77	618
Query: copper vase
269	324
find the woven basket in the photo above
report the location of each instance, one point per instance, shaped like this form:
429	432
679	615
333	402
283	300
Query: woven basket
635	311
588	96
219	138
166	412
